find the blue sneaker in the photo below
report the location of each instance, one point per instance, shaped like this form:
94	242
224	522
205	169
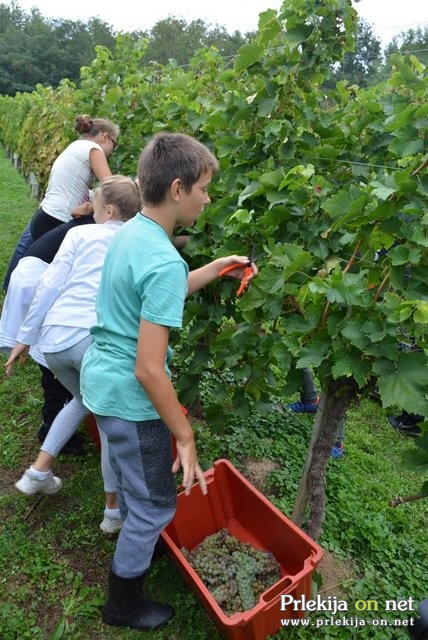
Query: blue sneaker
304	407
338	449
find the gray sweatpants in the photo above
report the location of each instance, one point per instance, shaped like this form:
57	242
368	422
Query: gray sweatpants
141	455
66	366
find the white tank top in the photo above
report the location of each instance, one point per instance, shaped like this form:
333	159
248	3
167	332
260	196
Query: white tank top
69	180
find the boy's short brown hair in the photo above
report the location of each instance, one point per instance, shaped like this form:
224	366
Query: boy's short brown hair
169	156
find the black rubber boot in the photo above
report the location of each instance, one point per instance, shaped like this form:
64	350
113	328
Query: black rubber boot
127	607
159	550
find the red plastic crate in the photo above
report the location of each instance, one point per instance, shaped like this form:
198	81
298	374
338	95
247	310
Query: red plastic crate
234	504
92	430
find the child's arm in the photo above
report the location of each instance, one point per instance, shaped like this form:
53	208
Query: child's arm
198	278
150	373
19	351
99	164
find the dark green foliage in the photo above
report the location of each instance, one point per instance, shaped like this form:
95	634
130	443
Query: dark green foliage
317	182
173	38
36	50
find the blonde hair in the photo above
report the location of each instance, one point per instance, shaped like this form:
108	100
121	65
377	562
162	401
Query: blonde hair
122	193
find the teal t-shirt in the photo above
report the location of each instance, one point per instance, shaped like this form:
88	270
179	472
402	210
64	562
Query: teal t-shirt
145	277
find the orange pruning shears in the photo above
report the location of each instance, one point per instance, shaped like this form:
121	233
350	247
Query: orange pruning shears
246	278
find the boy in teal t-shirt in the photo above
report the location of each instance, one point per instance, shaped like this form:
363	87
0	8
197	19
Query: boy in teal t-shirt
125	379
154	287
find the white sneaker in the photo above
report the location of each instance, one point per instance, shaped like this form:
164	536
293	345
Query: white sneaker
111	525
29	485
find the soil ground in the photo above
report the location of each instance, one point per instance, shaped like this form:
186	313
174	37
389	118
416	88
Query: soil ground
333	572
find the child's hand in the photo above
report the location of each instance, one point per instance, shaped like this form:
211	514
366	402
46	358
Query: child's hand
19	351
236	268
187	459
84	209
239	267
226	265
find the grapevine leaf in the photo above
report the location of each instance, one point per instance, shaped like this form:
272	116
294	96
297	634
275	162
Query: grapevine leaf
250	190
406	147
272	178
423	184
248	55
419	237
266	106
281	355
348	365
416	458
337	205
421	313
381	191
416	461
392	300
354	211
352	331
313	354
298	35
403	255
266	18
403	382
269	26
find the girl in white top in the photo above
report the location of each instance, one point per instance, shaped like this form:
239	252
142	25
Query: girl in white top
71	176
58	321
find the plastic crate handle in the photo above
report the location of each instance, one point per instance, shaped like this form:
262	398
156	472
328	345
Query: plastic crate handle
283	586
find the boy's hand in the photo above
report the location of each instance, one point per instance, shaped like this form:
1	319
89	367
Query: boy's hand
19	351
241	263
240	267
246	272
187	459
84	209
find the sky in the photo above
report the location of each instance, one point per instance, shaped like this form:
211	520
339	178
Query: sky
387	17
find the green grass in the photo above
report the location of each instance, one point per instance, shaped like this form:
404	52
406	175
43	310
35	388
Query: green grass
54	559
16	208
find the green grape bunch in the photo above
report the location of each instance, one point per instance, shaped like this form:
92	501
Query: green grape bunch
236	573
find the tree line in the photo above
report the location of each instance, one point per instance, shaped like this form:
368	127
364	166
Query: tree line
35	49
368	64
